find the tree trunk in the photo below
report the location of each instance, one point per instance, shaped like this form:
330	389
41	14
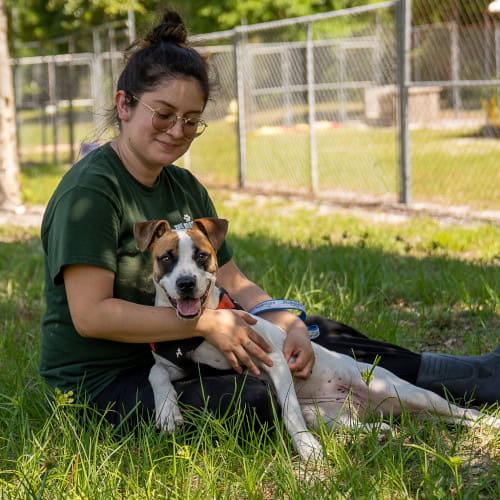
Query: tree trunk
10	196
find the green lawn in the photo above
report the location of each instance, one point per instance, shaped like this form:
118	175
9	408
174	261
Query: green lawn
418	282
39	181
449	167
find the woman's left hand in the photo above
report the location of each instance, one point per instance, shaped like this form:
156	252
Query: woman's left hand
297	348
298	351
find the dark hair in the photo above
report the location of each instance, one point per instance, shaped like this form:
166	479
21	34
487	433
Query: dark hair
164	53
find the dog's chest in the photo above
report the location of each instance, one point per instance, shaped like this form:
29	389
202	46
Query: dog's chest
178	352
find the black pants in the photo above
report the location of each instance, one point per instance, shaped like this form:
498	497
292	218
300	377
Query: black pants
131	396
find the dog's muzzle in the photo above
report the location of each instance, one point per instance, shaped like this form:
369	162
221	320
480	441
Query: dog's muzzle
186	305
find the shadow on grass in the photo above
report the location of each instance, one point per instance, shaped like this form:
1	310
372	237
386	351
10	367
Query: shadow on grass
381	293
430	300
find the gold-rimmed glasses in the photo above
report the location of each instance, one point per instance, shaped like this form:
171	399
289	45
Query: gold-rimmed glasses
192	127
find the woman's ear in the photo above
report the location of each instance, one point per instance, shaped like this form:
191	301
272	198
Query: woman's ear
122	102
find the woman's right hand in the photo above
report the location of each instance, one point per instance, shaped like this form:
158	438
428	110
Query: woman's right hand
230	331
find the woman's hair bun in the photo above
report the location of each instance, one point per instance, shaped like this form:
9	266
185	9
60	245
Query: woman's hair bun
162	55
171	29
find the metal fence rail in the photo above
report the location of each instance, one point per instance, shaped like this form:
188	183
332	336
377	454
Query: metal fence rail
330	105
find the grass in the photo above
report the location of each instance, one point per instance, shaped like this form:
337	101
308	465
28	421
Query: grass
420	283
39	181
448	166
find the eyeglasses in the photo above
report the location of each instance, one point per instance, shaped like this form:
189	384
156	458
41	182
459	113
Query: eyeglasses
192	127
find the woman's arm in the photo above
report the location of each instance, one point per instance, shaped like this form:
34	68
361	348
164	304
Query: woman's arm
97	314
297	348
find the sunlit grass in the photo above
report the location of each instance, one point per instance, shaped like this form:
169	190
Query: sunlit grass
39	181
449	167
417	282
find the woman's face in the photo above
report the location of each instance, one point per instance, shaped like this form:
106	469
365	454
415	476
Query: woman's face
155	148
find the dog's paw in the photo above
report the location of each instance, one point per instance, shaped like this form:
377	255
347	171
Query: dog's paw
308	447
490	421
169	420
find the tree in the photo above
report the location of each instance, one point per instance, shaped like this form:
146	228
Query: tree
10	195
38	22
42	20
204	17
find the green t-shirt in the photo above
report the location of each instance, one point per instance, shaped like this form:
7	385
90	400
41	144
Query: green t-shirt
89	220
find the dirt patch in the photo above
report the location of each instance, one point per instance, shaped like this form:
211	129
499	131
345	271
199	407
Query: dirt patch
27	217
31	216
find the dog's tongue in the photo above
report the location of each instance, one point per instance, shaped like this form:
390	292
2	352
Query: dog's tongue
188	307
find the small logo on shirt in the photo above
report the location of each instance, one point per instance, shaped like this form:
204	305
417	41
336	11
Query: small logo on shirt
186	224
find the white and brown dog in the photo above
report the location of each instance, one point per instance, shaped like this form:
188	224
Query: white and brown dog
340	390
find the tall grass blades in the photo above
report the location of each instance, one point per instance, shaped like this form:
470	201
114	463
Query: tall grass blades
417	282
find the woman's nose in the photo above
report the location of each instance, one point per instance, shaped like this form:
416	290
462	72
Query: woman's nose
177	130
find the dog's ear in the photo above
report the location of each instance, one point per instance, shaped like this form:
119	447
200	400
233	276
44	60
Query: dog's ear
145	233
214	229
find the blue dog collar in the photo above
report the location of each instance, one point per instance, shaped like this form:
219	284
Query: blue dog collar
286	305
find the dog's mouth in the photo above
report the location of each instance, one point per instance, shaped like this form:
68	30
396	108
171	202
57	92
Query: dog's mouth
190	307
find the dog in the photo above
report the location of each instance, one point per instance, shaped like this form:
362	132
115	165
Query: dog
340	390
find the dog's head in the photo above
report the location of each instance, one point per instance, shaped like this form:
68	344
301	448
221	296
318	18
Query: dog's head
184	262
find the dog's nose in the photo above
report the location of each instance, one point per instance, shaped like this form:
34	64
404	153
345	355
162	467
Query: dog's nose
186	284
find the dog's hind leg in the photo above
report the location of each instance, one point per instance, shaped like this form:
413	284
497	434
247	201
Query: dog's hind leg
168	415
388	391
471	417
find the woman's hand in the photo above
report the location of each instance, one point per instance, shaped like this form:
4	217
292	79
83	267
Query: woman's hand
232	334
298	351
297	347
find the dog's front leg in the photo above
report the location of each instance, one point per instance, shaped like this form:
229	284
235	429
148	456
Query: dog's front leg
281	378
168	415
282	382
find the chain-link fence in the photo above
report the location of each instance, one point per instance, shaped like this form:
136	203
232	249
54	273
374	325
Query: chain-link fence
455	157
329	105
295	113
61	98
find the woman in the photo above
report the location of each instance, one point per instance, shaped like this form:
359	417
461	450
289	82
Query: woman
100	320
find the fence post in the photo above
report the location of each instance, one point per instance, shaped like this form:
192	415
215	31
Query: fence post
455	66
377	53
497	57
70	112
112	50
53	111
98	77
404	74
313	152
342	79
131	25
286	83
239	65
16	70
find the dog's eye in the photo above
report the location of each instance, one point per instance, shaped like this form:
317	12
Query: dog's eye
167	262
202	256
165	258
